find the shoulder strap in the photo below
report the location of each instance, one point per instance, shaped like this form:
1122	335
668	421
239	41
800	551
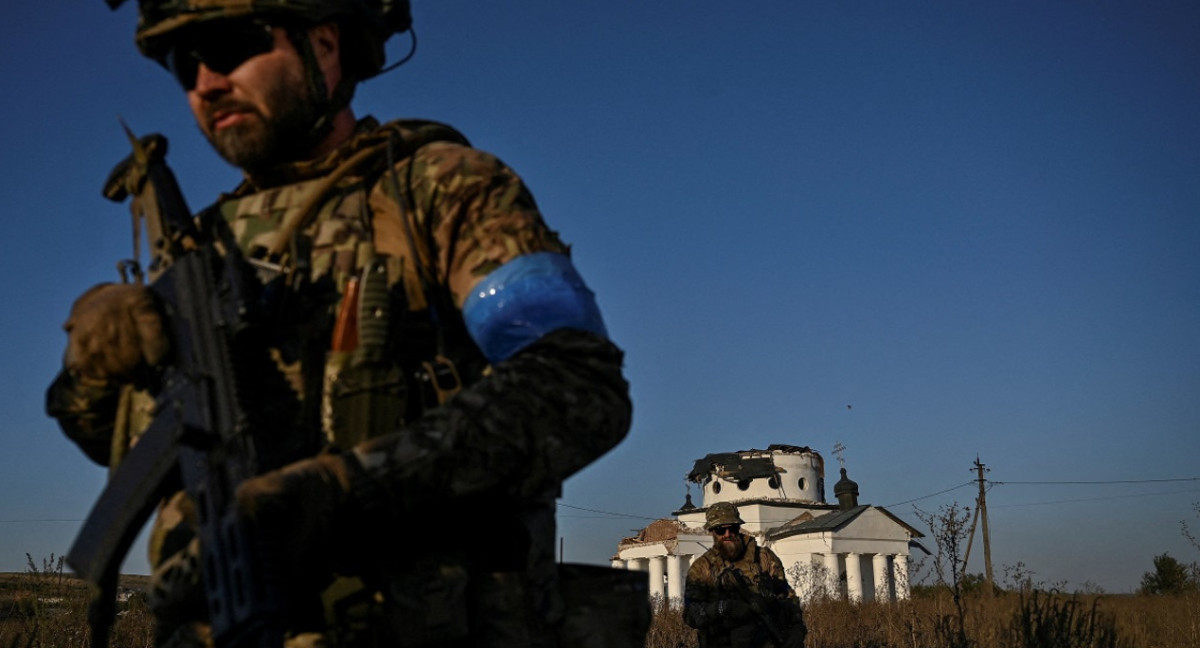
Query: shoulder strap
303	217
403	139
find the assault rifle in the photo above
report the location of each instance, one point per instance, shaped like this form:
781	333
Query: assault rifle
211	427
761	607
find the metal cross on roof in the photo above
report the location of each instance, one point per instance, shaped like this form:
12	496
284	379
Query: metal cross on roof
839	450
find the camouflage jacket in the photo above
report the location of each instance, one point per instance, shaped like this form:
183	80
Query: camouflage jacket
463	447
743	603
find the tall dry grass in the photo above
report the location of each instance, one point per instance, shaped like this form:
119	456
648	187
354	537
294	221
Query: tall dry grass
1033	619
45	608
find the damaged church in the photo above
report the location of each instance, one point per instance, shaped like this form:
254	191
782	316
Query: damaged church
846	550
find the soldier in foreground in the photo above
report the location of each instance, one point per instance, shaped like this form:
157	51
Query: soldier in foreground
449	366
737	595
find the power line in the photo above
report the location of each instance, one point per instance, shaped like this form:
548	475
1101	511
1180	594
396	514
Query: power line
609	513
37	521
644	517
1095	483
917	499
991	483
1096	499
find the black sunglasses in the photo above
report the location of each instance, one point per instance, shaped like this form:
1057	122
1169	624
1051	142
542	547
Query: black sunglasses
726	529
221	47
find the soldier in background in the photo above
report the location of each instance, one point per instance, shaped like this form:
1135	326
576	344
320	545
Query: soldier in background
493	382
737	594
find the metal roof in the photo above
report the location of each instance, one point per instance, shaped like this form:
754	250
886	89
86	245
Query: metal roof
833	522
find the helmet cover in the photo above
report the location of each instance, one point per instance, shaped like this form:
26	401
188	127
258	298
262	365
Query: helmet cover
721	514
160	22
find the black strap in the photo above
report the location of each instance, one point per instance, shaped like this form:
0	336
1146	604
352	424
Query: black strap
434	299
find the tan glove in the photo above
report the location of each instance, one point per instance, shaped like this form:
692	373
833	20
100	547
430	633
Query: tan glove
113	331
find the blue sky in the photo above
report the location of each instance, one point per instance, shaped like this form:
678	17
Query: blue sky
927	230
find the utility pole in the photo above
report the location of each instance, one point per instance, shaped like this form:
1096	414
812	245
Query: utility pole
981	514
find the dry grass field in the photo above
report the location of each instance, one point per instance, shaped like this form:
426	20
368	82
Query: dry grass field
46	608
1008	620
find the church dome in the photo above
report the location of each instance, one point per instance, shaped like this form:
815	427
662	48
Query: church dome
845	486
846	491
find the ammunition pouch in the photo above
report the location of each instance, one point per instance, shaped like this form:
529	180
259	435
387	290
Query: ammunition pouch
364	399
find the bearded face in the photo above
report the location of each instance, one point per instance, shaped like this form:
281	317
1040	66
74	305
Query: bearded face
277	128
730	546
260	114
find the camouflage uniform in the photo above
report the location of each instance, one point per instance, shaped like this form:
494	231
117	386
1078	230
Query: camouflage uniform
725	601
473	452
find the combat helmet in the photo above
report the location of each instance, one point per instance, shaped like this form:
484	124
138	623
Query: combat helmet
372	22
721	514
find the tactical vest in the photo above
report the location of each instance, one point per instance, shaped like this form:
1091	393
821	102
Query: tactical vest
366	334
355	310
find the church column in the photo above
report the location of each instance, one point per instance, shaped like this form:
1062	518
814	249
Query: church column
879	569
900	574
675	576
657	565
833	575
854	583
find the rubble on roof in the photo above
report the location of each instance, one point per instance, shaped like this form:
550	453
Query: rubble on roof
743	464
658	531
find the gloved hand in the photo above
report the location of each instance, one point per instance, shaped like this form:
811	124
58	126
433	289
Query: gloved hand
114	331
299	513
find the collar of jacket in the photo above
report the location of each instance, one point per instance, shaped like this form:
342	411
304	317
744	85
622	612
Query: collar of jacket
411	133
293	172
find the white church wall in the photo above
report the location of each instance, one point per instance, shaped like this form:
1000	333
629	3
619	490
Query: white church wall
800	479
803	545
874	523
869	546
763	517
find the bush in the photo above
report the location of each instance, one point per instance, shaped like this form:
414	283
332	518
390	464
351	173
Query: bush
1169	577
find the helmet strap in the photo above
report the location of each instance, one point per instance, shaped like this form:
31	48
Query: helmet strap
328	105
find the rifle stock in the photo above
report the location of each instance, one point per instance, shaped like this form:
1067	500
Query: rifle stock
210	414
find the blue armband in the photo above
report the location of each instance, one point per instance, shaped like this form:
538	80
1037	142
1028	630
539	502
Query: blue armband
526	298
